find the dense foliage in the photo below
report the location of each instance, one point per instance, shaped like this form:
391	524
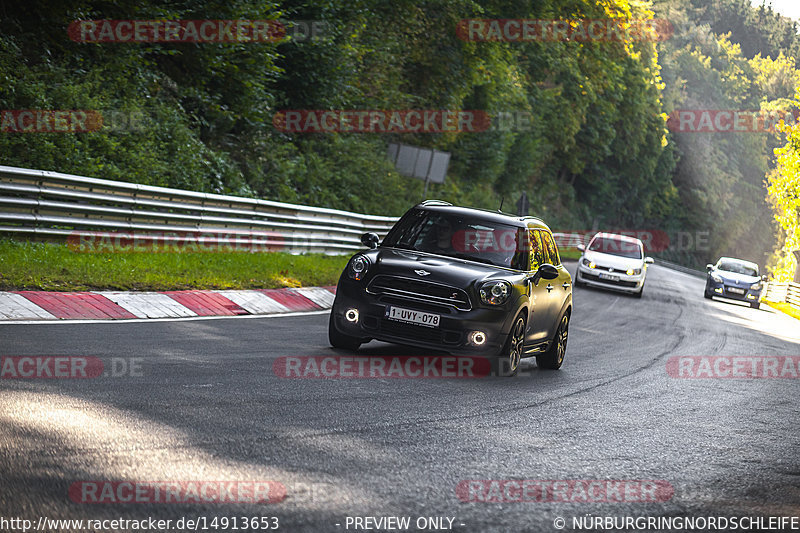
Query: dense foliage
784	190
597	152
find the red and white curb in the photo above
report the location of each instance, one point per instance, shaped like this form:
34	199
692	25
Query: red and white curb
110	305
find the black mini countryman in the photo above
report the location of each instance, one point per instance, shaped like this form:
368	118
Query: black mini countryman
460	280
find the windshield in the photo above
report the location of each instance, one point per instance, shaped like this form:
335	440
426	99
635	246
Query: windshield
465	237
738	268
622	248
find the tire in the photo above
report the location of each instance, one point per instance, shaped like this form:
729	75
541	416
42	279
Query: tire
339	339
755	305
553	358
578	282
707	295
639	294
509	359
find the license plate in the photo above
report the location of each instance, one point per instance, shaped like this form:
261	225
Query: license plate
609	277
410	316
734	290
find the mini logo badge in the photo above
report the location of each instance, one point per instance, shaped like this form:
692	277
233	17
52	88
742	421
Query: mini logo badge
422	272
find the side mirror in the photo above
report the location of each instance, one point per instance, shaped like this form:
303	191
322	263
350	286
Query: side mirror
547	271
582	248
709	268
649	260
370	240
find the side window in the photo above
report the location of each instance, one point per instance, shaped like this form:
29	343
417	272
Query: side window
537	250
519	259
550	246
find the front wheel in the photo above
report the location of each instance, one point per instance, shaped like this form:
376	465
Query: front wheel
508	362
553	358
755	305
339	339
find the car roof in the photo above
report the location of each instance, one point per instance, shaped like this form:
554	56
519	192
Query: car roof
618	237
736	260
486	214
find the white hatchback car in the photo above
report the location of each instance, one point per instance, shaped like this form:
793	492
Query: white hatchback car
613	261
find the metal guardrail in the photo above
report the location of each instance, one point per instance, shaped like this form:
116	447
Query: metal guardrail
38	204
45	205
783	293
681	268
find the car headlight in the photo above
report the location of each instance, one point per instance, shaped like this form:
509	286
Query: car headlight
588	263
358	267
716	278
495	292
634	271
756	286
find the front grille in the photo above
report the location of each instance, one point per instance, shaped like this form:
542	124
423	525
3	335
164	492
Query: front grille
610	269
593	277
421	291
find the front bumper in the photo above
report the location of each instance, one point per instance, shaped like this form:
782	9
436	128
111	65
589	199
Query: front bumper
451	336
724	290
624	283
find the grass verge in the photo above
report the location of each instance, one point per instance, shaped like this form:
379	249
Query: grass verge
569	254
54	267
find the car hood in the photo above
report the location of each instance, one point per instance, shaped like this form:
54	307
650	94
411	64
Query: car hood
445	270
739	279
613	261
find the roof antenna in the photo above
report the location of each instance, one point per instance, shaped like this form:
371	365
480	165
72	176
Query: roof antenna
502	199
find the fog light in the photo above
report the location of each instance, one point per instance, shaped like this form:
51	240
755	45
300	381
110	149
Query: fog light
478	338
750	296
351	315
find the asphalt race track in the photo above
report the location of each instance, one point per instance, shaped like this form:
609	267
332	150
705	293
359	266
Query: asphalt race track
199	400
